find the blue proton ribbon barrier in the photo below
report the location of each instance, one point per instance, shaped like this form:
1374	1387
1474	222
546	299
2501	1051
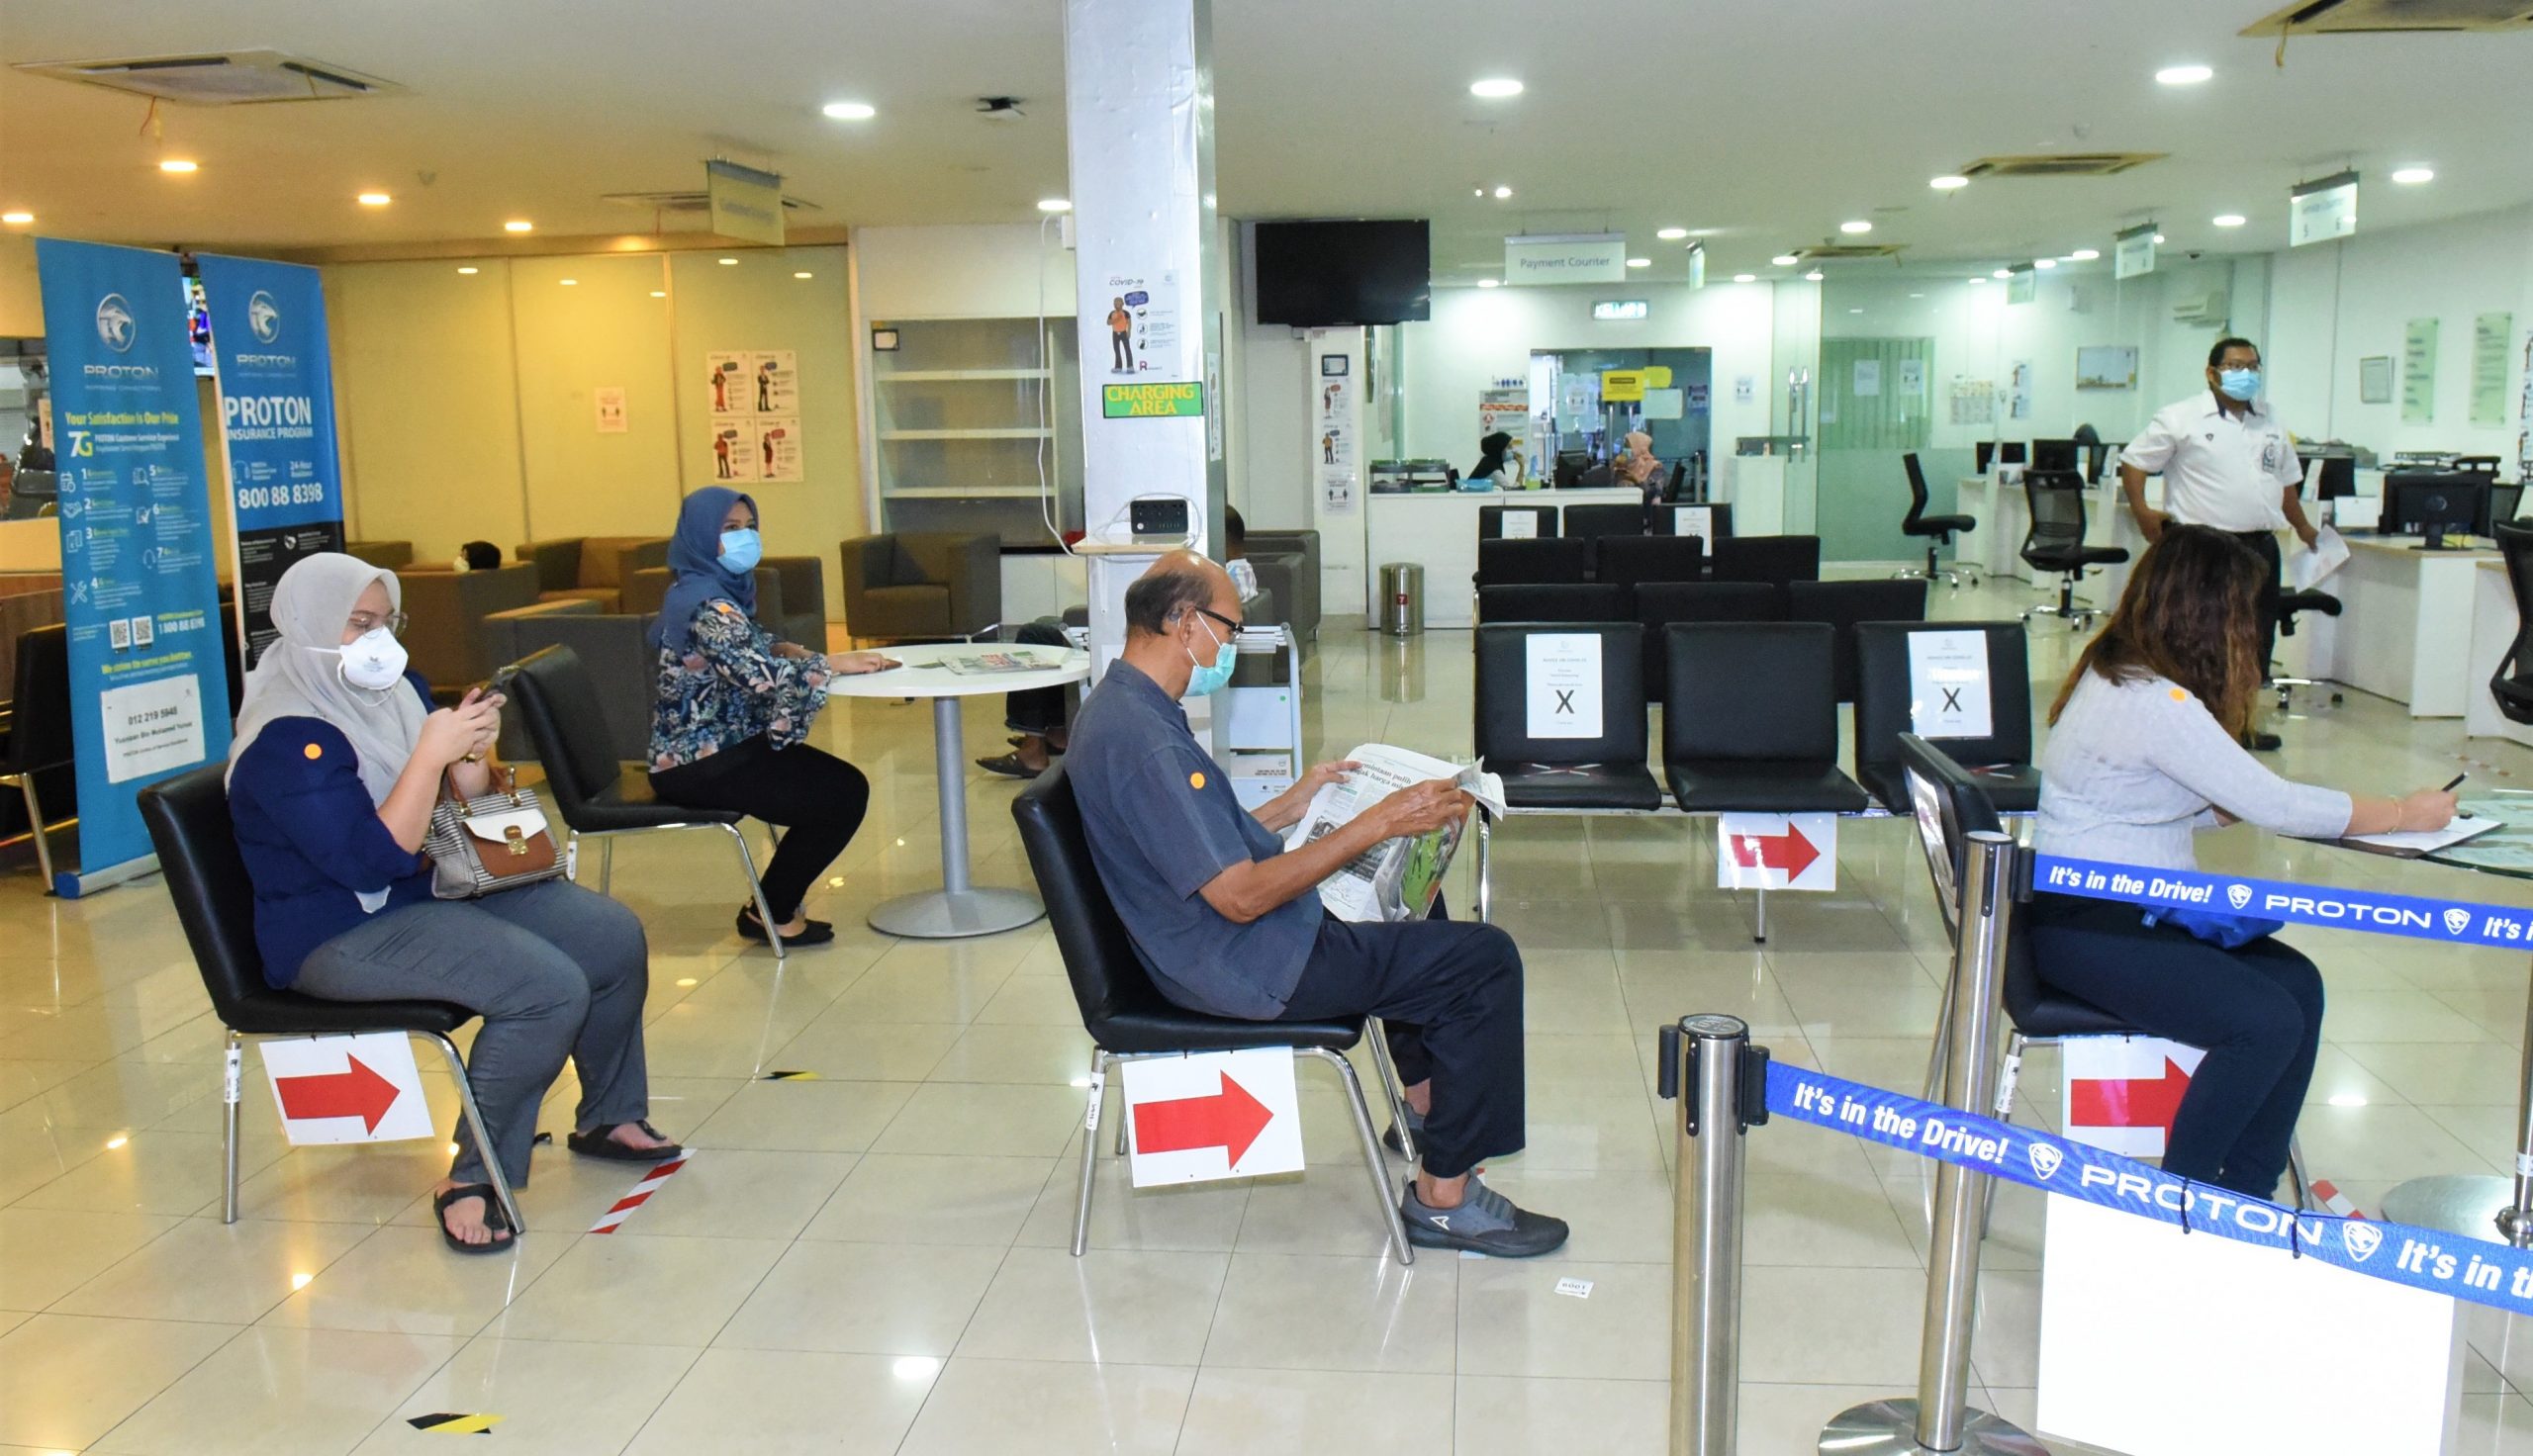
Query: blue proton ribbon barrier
2461	922
149	683
276	424
2422	1258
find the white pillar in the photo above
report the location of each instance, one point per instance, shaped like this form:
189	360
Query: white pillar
1139	100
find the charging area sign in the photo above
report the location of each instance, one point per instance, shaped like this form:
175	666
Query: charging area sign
1151	400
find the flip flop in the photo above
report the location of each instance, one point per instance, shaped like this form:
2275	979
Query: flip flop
600	1144
494	1219
1009	767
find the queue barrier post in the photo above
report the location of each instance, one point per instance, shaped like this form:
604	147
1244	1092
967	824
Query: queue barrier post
1940	1421
1720	1081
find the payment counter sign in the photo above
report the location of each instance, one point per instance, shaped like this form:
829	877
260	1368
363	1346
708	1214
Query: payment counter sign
1151	400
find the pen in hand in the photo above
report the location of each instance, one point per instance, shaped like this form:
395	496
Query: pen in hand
2458	778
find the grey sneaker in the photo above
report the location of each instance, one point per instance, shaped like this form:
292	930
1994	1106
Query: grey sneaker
1415	1126
1486	1223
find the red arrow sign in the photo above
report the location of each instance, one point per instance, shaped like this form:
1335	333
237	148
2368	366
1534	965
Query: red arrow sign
1230	1120
2128	1102
355	1092
1789	852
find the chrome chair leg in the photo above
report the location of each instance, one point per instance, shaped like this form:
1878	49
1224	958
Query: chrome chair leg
1372	1151
606	863
2305	1201
482	1135
1760	932
1120	1150
756	887
1378	1035
35	830
1090	1149
1485	869
229	1092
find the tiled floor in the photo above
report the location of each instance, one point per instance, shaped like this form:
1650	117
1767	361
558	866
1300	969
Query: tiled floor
875	1261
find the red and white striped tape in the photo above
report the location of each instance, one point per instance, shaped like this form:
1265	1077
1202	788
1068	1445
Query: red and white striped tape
2335	1200
640	1194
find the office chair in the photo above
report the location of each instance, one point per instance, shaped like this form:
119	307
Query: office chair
2511	685
2056	543
2288	605
1938	530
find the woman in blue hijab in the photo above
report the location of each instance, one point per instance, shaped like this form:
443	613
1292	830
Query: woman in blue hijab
734	708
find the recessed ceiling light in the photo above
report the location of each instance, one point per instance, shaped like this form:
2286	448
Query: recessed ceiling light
727	263
518	224
1856	310
1495	88
373	199
848	111
1917	294
1490	282
1054	205
2159	239
1746	277
1640	262
179	164
2183	76
1855	226
1785	261
2227	220
1502	192
1672	234
470	269
2084	255
569	282
1978	280
17	220
2044	263
2003	274
1948	182
2413	176
803	275
1813	277
659	292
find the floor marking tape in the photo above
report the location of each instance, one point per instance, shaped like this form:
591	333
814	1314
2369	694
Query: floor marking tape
456	1424
639	1193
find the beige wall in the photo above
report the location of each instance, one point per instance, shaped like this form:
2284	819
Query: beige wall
21	306
466	409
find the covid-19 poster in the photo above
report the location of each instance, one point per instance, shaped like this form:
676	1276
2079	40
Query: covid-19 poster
276	424
148	681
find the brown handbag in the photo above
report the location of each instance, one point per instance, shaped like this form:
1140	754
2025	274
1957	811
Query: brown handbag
493	842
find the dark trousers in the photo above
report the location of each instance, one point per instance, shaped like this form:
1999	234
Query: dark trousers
817	798
1038	710
2263	544
1448	994
2257	1010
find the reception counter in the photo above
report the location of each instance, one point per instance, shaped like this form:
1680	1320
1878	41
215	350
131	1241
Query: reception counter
1438	530
2406	625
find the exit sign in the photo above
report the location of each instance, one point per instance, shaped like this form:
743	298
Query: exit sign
1621	309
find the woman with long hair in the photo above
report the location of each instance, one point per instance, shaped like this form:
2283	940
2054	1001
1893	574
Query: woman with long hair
2146	750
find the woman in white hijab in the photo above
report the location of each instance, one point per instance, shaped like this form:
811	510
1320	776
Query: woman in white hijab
338	757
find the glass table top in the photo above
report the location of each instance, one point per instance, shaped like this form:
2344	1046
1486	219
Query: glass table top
2507	850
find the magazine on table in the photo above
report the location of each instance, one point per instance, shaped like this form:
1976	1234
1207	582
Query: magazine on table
1395	879
1021	661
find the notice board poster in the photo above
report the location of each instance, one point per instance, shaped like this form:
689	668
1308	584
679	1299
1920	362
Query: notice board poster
268	347
149	683
755	415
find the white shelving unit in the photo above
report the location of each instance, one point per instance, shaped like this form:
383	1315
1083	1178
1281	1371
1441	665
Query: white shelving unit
972	421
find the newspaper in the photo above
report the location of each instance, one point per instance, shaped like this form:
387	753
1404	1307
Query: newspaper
1396	879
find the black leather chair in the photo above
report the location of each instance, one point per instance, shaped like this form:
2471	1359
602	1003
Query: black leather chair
2290	606
1750	722
1660	603
1842	605
1999	762
1683	518
1560	603
187	817
598	795
1778	559
1629	561
1555	560
1602	772
1589	522
41	740
1490	522
2511	685
1938	530
1129	1019
2056	541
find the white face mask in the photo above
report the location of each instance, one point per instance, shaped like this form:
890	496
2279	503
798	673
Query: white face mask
374	660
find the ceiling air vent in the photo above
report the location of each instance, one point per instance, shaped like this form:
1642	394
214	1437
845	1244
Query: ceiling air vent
2061	165
227	78
2362	17
690	201
1841	252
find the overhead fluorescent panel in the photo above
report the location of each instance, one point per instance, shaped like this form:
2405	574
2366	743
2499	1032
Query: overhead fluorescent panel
2371	17
220	78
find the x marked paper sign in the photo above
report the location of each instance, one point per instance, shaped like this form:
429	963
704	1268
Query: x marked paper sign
347	1089
1218	1115
1776	851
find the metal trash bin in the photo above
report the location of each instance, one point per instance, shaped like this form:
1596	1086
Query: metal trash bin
1403	598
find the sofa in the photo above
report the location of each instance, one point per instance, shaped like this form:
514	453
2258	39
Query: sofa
922	586
790	597
592	568
1287	566
393	556
456	636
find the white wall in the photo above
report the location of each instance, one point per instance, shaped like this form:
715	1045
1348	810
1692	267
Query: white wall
981	271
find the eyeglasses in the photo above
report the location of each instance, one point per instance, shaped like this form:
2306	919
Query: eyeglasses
364	624
1218	616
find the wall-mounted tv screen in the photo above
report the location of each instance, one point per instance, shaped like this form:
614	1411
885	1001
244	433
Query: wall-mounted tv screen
1316	275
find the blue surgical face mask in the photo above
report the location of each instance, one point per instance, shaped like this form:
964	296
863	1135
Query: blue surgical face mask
1211	676
2239	385
741	551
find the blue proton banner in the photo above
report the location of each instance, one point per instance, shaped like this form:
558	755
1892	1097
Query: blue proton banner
149	683
276	424
2462	922
2422	1258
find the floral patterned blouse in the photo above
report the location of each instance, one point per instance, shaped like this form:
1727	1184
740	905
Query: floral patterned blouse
727	687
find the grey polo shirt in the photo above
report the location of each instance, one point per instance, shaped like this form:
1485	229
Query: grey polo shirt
1162	822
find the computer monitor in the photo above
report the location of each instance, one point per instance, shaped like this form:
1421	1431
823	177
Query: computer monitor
2434	504
2010	452
1570	464
1985	453
2097	460
2334	478
2055	454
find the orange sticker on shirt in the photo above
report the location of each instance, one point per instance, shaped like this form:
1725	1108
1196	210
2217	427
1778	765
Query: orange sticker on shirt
1196	779
2179	696
725	608
314	752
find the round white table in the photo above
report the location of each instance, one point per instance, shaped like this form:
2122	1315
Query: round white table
959	908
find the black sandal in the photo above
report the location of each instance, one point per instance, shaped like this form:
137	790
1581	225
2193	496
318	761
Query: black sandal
812	933
603	1145
494	1219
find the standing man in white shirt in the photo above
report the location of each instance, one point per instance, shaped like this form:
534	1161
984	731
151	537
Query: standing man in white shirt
2226	463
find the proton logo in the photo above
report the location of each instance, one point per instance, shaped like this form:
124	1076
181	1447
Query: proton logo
263	317
2044	1159
2238	896
2457	920
115	326
2360	1241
